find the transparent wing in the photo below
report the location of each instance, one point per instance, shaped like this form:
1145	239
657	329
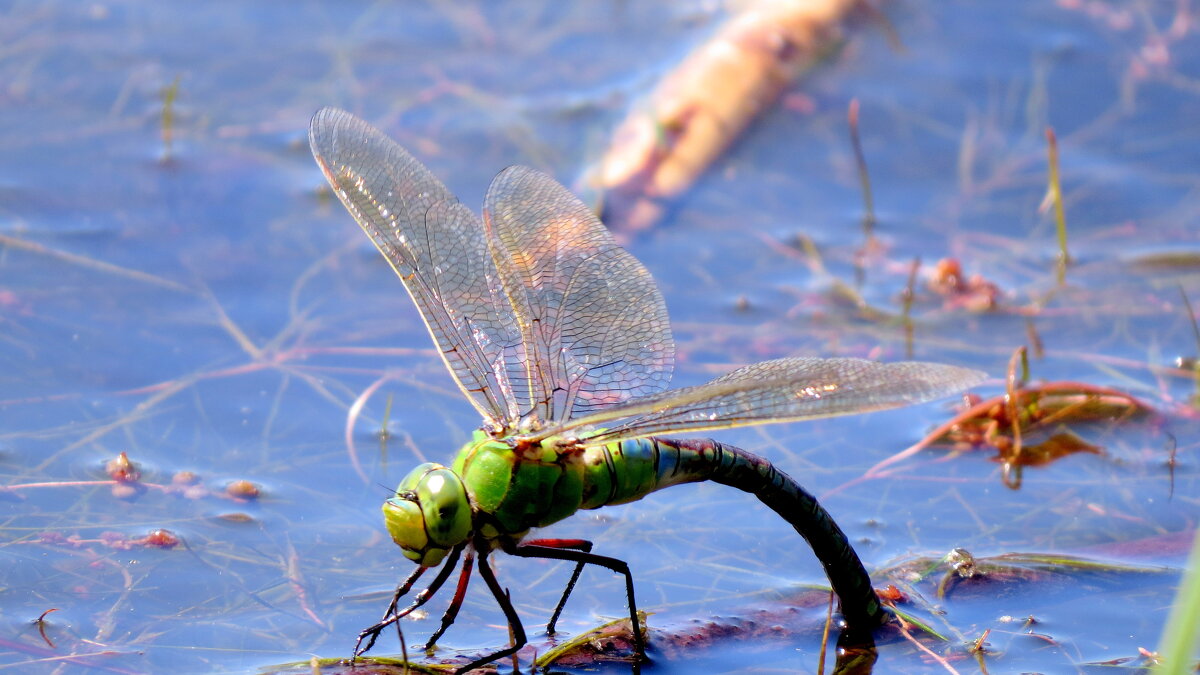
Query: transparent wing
593	323
784	390
436	246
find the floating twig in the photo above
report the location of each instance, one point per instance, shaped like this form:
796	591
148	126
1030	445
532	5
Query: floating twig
705	103
906	307
864	177
1055	195
169	94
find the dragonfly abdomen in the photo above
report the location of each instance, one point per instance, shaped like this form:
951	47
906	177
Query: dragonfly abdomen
629	470
626	471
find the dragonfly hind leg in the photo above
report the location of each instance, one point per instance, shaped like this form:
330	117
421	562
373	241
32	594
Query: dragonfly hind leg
579	551
576	544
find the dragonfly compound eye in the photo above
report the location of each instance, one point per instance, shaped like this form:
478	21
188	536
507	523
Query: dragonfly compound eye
429	514
443	499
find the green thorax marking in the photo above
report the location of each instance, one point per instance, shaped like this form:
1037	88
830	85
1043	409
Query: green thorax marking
515	488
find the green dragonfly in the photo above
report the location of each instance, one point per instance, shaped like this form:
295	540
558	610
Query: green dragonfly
560	339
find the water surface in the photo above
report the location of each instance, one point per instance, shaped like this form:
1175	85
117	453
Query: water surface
204	306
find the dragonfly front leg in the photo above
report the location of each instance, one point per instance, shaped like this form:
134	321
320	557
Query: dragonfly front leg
533	550
577	544
373	631
392	616
514	621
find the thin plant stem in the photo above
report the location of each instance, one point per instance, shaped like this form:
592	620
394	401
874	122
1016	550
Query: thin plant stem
1060	218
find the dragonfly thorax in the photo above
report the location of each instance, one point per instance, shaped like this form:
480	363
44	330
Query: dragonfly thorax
529	424
429	514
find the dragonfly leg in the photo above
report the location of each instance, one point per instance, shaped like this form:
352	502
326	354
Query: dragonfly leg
460	593
514	621
577	544
392	616
531	550
373	631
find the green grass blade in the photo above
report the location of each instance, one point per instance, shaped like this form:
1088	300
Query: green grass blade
1179	640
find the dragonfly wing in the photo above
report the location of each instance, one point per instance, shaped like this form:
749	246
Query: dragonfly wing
436	246
783	390
593	323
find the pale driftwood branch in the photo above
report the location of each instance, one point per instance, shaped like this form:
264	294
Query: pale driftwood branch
705	103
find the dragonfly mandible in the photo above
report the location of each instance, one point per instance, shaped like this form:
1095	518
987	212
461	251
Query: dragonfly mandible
560	339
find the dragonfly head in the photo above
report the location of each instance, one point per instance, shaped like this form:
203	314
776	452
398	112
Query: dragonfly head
429	514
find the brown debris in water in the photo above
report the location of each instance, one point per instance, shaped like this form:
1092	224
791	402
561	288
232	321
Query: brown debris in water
705	103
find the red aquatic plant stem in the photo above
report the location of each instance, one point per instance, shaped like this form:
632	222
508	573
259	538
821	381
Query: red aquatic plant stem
1012	392
46	656
79	483
928	652
295	579
982	408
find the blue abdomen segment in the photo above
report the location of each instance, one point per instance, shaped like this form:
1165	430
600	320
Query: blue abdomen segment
623	472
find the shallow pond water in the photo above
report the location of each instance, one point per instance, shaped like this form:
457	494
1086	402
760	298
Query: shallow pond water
201	303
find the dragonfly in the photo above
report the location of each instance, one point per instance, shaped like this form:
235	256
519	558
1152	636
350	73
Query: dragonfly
560	340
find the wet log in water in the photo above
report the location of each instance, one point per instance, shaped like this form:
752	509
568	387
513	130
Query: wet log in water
705	103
